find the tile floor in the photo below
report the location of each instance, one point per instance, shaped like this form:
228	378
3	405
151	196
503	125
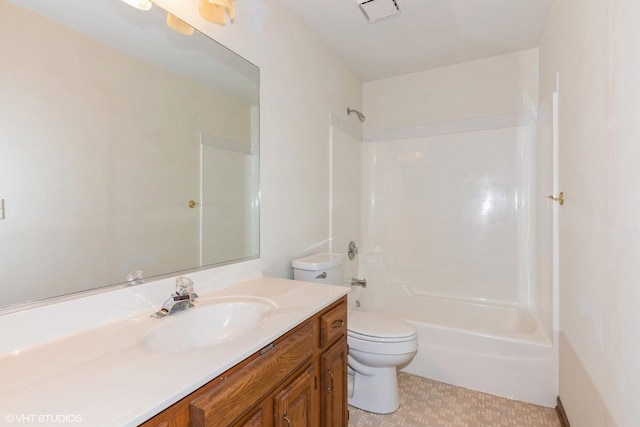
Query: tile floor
425	402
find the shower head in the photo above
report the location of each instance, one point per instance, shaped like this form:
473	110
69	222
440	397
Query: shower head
361	116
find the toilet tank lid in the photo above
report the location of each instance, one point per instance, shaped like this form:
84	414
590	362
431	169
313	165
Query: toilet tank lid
319	261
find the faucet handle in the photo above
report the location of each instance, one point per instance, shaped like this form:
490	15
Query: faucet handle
184	286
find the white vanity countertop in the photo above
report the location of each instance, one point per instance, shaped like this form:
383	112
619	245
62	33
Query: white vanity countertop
104	377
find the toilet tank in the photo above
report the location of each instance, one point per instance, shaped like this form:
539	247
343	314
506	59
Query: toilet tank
320	268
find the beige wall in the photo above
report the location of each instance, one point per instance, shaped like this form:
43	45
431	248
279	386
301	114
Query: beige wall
593	47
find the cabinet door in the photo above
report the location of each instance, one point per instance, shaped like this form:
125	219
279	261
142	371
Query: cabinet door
259	417
333	385
293	404
256	420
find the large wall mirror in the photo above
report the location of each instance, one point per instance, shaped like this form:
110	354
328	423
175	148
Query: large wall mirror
124	147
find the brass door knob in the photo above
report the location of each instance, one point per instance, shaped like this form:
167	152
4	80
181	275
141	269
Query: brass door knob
559	199
192	204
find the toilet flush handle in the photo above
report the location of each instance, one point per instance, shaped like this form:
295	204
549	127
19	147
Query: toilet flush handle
322	275
359	282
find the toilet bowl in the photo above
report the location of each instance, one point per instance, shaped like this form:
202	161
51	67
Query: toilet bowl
378	343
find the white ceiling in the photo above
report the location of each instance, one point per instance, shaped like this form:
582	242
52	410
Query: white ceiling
428	33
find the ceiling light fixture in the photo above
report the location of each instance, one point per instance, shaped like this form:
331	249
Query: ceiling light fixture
178	25
216	11
139	4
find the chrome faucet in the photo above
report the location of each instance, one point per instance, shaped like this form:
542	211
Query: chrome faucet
181	300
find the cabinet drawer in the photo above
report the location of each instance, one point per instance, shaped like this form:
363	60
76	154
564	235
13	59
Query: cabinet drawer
333	324
234	395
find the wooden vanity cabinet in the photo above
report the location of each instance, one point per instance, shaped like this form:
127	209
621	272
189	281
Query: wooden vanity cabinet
299	380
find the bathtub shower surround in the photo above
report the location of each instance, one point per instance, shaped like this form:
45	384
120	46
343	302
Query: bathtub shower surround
449	222
448	245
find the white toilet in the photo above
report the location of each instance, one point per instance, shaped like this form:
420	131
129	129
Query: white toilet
378	344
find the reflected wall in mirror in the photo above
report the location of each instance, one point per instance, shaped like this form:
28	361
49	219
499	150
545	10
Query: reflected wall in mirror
110	124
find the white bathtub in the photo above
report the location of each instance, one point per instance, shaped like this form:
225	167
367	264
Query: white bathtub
496	349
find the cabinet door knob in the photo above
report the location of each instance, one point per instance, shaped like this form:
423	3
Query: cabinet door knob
337	324
285	418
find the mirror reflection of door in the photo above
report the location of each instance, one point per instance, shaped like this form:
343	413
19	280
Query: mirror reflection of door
228	196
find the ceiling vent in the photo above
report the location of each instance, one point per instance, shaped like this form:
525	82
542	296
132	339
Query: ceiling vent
378	10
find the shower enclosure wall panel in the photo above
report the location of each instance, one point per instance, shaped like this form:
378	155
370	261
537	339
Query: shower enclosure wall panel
345	201
452	213
544	216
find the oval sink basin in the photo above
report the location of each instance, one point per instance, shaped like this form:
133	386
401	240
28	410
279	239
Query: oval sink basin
209	323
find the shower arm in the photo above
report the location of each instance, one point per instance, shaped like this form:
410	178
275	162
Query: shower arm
361	116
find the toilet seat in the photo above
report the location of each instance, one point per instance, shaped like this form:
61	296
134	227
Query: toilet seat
376	327
381	340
